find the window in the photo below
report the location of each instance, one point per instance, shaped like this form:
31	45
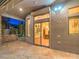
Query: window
74	20
74	11
73	25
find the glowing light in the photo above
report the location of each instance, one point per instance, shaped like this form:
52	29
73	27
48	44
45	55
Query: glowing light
58	8
20	9
42	17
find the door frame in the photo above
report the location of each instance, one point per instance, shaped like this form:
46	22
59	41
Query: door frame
35	22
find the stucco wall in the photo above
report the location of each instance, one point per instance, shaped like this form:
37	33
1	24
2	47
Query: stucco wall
61	39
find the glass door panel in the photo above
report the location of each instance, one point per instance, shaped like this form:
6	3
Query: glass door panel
37	32
45	34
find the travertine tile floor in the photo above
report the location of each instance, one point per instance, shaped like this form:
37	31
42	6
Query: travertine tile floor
22	50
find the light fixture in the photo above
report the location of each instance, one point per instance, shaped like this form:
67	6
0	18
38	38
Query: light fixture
58	8
20	9
55	9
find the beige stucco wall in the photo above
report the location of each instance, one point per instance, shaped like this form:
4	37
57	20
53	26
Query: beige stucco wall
61	39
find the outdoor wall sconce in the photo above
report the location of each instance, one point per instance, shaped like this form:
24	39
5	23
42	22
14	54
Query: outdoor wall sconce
57	8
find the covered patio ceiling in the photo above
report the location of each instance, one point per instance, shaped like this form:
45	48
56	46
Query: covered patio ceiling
24	7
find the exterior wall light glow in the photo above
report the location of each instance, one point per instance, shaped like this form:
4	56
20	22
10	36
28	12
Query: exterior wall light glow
60	7
57	8
20	9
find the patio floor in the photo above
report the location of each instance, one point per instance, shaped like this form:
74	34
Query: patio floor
22	50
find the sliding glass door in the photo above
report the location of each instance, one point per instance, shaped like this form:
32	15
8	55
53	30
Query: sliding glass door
45	34
37	32
41	33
